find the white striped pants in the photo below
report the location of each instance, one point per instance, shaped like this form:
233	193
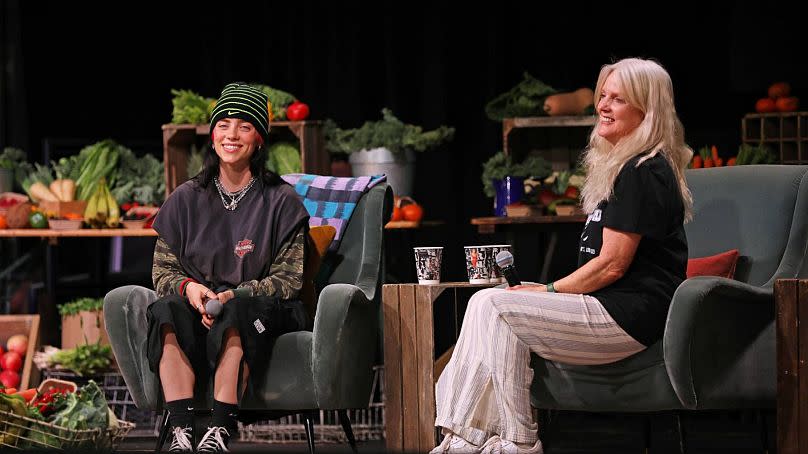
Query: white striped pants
485	388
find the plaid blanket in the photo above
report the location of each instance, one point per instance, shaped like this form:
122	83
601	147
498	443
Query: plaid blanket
331	200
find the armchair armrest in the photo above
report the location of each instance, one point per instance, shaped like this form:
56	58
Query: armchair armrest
719	344
344	347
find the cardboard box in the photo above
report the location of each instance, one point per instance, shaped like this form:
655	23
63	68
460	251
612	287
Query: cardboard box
83	328
28	325
521	210
59	209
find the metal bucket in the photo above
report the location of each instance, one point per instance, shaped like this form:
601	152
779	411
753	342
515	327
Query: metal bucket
399	167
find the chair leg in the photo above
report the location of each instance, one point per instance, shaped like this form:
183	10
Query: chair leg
161	438
680	428
309	431
346	426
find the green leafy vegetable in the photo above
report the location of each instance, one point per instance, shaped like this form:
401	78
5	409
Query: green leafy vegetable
190	107
81	304
138	179
389	132
526	99
750	154
16	159
87	359
279	100
94	162
501	165
284	158
196	160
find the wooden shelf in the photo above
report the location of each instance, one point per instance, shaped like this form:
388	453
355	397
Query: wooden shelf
178	139
505	220
76	233
785	133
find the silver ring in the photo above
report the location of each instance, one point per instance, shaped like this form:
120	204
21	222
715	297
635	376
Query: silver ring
198	306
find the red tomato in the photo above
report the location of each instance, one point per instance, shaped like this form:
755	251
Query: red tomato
10	379
11	361
546	196
572	192
764	105
297	111
412	212
787	104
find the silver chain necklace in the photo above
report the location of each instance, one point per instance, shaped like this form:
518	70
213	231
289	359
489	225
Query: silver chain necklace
235	197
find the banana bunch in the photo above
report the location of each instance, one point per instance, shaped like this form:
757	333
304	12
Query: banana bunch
102	209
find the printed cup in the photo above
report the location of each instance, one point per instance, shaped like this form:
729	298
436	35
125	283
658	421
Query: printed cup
427	264
496	276
479	260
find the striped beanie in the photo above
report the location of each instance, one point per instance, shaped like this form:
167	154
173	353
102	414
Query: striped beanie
239	100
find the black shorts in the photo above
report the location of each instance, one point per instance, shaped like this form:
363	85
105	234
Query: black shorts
259	320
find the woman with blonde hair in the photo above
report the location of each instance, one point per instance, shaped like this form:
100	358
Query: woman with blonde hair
632	257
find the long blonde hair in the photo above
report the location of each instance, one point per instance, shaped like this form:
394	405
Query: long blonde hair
647	86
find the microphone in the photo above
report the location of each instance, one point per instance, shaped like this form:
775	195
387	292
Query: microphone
214	308
505	263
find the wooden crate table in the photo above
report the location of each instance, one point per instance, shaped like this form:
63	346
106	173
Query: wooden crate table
421	325
791	303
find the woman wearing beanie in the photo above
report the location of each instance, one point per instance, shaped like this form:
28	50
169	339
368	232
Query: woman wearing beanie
233	233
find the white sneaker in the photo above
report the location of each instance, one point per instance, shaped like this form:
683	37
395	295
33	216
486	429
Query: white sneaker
214	440
181	440
496	445
454	443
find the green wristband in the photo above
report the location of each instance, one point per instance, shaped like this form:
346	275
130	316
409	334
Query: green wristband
551	287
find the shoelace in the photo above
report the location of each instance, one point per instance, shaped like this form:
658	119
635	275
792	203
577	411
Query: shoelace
182	440
213	441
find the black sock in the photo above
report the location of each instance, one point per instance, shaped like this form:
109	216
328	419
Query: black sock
225	415
181	413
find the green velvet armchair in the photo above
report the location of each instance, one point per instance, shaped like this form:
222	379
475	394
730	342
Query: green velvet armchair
329	368
718	350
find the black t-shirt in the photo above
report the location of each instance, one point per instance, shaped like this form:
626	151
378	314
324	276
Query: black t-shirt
646	200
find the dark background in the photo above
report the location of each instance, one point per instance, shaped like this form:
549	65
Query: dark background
88	72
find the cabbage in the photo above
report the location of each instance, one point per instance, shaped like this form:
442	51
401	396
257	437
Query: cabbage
284	158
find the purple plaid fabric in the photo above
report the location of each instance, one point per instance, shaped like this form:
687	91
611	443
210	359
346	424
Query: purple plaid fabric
331	200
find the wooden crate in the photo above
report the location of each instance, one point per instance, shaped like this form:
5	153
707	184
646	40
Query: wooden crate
791	303
784	133
178	139
59	209
421	325
86	327
28	325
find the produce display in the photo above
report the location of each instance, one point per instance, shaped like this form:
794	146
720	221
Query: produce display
526	99
707	157
578	102
192	108
12	360
58	415
88	187
779	99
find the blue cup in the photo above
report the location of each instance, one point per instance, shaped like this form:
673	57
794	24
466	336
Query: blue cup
508	190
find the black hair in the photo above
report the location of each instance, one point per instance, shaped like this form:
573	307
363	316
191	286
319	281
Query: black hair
258	168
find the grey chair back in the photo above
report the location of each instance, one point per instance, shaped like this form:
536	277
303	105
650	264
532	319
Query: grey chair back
761	210
355	262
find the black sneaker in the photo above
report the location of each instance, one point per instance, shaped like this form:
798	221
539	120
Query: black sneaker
214	440
182	440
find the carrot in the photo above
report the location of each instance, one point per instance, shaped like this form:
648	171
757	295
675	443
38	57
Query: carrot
731	161
709	163
27	394
697	162
714	151
719	162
